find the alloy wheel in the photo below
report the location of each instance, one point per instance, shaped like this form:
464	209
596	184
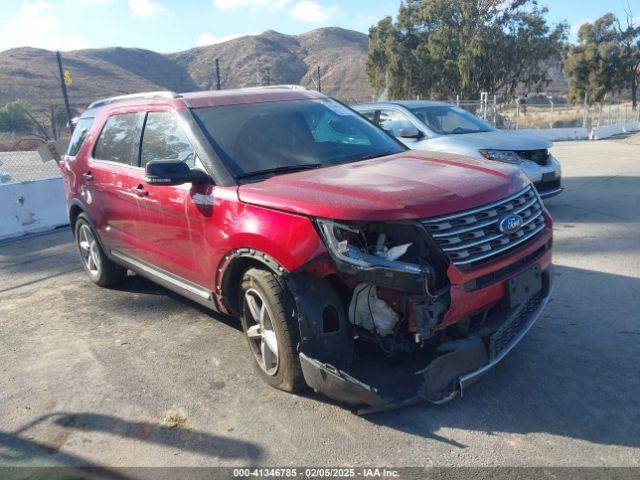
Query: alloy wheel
262	336
89	249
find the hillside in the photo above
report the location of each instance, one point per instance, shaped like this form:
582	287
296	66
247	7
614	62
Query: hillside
31	74
341	55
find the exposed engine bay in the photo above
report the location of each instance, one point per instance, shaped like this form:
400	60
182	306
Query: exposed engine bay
371	316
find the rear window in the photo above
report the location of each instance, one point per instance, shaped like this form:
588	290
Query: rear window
120	138
368	114
79	134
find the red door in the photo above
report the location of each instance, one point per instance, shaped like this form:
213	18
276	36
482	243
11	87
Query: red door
174	218
113	179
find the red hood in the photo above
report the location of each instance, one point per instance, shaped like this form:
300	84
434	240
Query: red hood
407	185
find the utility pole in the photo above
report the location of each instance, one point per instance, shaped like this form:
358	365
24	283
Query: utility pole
54	130
319	86
217	74
63	86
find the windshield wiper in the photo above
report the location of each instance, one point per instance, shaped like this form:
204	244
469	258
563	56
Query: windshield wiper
283	169
464	132
376	155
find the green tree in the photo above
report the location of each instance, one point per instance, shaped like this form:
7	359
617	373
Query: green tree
596	65
14	118
443	48
630	50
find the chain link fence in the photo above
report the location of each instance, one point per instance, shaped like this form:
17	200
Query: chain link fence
25	166
542	115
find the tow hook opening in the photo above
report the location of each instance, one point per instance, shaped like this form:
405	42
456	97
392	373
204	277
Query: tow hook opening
378	349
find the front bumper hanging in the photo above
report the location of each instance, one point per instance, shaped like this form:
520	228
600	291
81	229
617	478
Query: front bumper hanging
377	386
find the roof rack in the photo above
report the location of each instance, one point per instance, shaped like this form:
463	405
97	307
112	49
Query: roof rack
134	96
283	86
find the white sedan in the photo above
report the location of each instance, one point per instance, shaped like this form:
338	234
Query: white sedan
443	127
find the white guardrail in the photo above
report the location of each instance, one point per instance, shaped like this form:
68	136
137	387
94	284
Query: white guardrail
31	207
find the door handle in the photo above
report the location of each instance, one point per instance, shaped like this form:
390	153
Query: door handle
140	191
88	176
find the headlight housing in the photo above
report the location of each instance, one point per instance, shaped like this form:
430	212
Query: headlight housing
507	156
353	248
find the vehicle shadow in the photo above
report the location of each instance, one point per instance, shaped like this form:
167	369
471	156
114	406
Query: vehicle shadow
574	375
610	199
32	260
23	458
137	284
18	450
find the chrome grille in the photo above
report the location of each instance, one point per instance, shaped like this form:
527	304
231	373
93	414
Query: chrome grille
473	235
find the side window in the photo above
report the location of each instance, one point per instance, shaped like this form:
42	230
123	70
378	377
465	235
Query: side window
119	139
393	121
332	128
369	114
79	134
163	139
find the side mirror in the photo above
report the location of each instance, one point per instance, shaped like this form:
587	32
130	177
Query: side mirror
410	132
173	172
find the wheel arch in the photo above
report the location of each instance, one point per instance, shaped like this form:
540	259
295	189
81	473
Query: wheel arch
230	273
75	209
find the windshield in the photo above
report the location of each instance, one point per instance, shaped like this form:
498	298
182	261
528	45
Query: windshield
448	120
277	137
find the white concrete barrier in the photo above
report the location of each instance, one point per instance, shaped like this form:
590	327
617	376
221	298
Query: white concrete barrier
31	207
606	131
554	134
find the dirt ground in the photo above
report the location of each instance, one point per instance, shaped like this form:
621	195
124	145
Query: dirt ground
137	376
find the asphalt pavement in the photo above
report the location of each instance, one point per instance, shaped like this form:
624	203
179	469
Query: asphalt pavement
138	376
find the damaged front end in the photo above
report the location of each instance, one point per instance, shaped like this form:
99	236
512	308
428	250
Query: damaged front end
371	318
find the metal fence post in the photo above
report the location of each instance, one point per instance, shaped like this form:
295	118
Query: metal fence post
624	120
619	115
495	109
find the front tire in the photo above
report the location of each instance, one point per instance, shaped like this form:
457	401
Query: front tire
100	269
271	329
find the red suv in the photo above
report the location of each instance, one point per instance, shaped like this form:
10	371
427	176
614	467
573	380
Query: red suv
376	275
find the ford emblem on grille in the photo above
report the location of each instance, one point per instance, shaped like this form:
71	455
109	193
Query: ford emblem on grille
510	224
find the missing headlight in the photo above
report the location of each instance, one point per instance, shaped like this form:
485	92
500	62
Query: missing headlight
390	254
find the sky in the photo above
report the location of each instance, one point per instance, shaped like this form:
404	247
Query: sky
174	25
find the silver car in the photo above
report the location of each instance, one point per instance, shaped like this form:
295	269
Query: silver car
443	127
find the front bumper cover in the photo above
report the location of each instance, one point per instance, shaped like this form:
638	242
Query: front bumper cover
464	362
544	194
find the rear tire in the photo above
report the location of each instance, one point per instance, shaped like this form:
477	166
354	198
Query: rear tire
271	329
100	269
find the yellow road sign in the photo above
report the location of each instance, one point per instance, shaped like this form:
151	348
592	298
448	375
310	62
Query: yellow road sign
67	78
